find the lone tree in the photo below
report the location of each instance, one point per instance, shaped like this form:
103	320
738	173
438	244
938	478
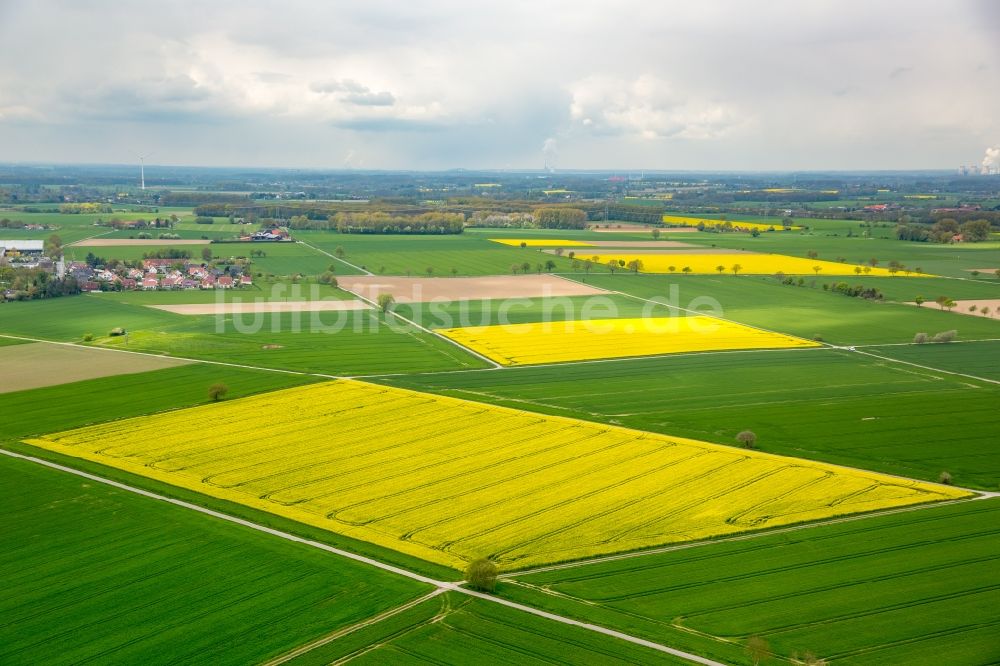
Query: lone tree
514	268
206	254
482	575
945	478
721	269
919	300
217	392
385	302
339	252
737	268
747	438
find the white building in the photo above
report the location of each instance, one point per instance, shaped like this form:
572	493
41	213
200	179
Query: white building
24	246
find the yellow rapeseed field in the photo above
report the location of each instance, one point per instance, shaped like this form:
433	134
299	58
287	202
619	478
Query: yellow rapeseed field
540	242
754	264
581	340
448	480
677	220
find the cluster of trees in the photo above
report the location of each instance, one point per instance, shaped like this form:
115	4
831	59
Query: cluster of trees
647	214
525	267
944	231
385	223
494	220
155	223
857	291
7	223
554	217
943	336
23	284
168	253
78	208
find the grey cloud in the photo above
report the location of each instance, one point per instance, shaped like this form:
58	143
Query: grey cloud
776	85
390	124
383	98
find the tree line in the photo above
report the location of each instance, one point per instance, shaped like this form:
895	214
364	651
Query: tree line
945	230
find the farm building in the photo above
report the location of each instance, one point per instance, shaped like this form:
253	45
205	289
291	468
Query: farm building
21	247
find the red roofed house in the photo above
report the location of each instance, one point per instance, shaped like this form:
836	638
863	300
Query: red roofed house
225	282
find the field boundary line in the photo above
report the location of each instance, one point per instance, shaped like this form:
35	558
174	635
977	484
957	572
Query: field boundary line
496	366
175	358
340	633
333	256
748	536
927	367
444	586
103	233
620	359
929	344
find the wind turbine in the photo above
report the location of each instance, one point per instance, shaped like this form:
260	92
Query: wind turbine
142	171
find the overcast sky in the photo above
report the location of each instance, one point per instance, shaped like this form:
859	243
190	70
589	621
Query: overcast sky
437	84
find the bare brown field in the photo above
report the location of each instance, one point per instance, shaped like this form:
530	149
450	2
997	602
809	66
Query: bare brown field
253	308
40	364
414	290
120	242
962	307
989	271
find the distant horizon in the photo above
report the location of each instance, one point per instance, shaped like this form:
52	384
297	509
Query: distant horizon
492	170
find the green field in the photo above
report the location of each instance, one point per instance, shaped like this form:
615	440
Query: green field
518	311
100	575
916	587
352	342
413	255
829	240
981	359
819	404
93	573
803	311
63	406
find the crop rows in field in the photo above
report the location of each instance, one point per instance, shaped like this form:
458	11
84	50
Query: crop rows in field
579	340
456	629
903	588
450	480
93	574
